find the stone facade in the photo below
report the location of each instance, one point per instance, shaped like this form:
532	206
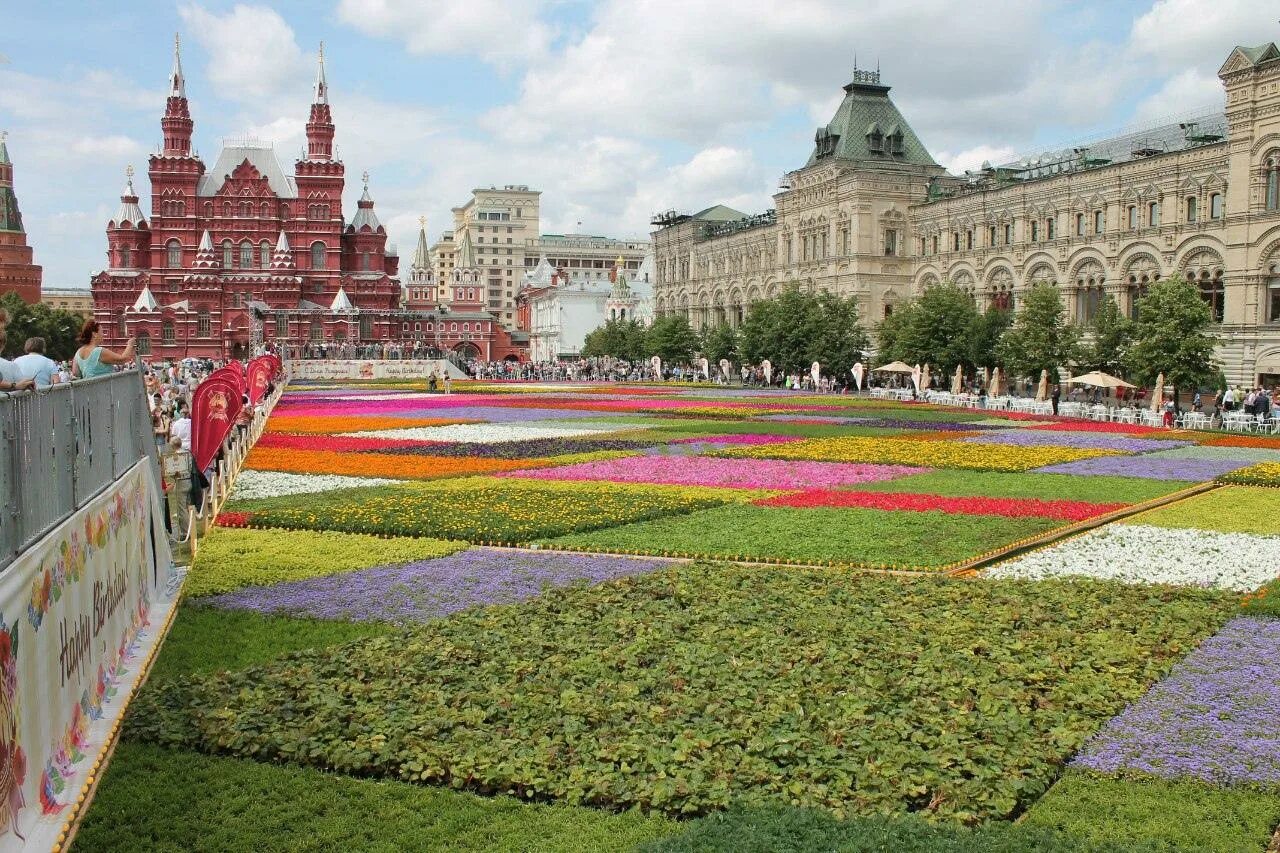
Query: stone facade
74	299
18	271
1201	198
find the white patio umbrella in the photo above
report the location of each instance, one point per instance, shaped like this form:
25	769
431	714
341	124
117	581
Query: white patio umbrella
894	367
1099	379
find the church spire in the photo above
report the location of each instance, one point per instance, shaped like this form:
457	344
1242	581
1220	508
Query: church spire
177	124
177	82
421	257
320	124
322	87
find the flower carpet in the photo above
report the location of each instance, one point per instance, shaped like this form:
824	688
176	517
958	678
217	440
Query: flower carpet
576	617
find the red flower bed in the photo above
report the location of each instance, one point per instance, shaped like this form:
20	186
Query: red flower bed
1007	507
233	519
339	443
1094	426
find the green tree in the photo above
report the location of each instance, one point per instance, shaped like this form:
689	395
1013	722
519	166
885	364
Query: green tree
937	330
1112	336
671	338
720	342
1040	337
624	339
891	332
1172	336
795	329
982	341
59	328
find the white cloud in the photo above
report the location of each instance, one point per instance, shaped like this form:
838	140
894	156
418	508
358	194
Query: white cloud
498	31
1176	33
252	51
1187	92
973	158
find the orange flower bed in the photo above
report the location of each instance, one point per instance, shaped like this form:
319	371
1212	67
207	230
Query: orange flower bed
1264	441
404	467
344	423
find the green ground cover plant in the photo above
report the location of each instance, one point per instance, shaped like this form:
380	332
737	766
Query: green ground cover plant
693	688
480	509
994	484
1182	815
862	537
715	427
229	558
767	830
1231	509
157	799
204	639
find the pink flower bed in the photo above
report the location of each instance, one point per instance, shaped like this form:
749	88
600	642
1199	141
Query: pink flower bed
739	438
724	473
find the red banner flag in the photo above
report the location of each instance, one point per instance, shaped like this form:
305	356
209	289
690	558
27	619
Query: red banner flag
260	373
230	374
214	408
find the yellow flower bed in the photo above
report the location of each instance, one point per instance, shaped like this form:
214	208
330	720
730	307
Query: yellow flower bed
927	454
1262	474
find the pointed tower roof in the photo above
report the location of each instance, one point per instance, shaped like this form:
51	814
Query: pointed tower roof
283	257
206	257
466	253
341	302
364	212
4	150
145	301
421	255
129	212
322	86
868	128
177	82
542	274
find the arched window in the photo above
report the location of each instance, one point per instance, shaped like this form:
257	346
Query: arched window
143	343
1214	293
1099	221
246	209
317	255
166	331
246	255
203	326
1035	231
226	208
1133	217
265	210
126	257
364	261
1153	214
1193	208
1215	206
1079	224
316	333
264	254
173	254
228	256
1273	184
208	209
284	211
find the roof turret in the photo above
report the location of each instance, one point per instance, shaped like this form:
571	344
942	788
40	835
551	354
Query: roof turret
868	128
4	150
364	212
282	259
421	255
145	301
466	253
341	302
206	257
129	212
177	82
322	86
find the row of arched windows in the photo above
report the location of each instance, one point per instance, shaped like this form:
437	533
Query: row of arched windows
244	258
244	208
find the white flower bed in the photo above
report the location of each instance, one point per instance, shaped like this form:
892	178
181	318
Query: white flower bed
251	484
1142	554
489	433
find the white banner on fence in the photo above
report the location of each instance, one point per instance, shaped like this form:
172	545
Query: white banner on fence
412	369
79	611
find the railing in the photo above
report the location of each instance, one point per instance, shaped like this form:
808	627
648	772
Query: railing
61	446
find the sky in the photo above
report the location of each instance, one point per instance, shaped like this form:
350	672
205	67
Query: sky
614	109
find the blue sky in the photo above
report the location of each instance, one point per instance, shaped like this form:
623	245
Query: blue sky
614	109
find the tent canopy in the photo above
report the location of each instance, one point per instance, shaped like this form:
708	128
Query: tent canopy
1101	380
895	367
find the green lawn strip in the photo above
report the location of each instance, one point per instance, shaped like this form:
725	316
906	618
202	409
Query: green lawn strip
483	509
1231	509
1183	815
158	799
869	537
767	830
229	559
693	688
207	639
993	484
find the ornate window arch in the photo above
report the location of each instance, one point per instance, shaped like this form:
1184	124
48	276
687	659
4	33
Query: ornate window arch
317	255
1140	273
1090	280
228	255
246	255
173	254
1271	180
264	254
1204	269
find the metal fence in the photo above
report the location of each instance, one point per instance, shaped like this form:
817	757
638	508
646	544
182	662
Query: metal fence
61	446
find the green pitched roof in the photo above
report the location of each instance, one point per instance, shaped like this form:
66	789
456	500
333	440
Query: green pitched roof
1260	53
718	213
865	114
10	218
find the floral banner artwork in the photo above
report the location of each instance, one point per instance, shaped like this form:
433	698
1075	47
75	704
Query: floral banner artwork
71	606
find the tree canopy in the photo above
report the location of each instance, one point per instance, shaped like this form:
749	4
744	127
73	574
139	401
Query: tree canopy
719	342
672	338
1040	337
1112	336
624	339
1172	336
58	327
795	329
932	329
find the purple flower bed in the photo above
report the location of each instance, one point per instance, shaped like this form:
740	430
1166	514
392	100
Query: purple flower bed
1192	470
1064	438
1216	717
534	449
502	414
429	589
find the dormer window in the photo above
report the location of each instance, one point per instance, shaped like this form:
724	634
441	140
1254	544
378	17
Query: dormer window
875	139
894	140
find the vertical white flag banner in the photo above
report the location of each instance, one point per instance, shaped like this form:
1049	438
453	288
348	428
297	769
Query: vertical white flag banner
767	367
915	378
705	367
857	370
816	372
724	367
656	363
